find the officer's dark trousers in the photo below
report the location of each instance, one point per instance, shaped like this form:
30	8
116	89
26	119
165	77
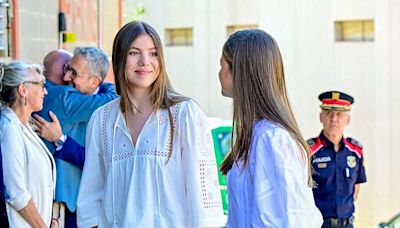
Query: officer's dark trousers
337	223
70	219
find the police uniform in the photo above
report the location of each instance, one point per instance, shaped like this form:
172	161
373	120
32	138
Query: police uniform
336	173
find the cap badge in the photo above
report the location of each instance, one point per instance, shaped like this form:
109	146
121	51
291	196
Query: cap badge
335	96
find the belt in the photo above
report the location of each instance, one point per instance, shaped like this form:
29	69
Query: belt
338	222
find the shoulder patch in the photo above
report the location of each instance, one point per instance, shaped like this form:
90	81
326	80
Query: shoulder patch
311	142
355	142
315	144
354	146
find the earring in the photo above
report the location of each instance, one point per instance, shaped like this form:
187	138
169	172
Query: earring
26	101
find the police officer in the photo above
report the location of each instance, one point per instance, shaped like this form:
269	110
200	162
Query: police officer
337	162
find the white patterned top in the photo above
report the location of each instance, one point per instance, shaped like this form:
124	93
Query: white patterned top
127	186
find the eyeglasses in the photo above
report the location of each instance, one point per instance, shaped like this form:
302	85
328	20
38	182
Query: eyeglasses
67	68
39	83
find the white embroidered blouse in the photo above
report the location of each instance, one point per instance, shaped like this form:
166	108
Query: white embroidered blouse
127	186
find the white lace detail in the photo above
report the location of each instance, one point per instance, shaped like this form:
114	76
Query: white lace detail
163	119
151	153
107	128
203	152
122	156
208	199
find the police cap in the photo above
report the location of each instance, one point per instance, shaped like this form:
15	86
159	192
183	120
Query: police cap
335	100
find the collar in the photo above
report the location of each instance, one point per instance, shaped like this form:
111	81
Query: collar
96	91
8	113
50	83
328	143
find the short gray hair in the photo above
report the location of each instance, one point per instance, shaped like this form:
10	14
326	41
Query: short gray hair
98	64
12	75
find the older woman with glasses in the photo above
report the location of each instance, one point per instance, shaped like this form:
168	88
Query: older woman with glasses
28	166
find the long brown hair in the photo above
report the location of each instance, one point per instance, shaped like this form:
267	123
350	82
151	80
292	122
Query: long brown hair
162	94
259	92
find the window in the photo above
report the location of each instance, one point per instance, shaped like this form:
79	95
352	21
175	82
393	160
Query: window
361	30
179	36
234	28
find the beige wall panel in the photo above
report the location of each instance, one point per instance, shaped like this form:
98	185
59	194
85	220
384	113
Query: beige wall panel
38	29
241	12
110	19
180	13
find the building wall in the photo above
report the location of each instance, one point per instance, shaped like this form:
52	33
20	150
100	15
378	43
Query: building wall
82	20
38	25
237	12
112	21
314	62
38	34
202	61
38	29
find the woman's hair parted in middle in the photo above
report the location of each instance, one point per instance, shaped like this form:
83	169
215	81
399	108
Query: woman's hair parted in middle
259	92
162	94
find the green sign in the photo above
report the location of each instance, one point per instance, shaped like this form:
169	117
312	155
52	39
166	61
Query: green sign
222	146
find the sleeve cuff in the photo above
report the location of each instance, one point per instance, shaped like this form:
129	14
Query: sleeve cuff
20	202
60	142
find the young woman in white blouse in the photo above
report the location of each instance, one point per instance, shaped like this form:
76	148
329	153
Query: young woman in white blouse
28	166
268	172
149	154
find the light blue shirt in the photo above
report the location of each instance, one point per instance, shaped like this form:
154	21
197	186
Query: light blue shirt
272	191
73	110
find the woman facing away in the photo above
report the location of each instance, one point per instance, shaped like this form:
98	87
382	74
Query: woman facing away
149	154
28	166
268	173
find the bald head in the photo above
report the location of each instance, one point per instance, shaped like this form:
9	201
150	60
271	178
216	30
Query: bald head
53	65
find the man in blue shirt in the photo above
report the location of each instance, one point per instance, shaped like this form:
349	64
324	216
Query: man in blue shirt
69	150
73	105
337	162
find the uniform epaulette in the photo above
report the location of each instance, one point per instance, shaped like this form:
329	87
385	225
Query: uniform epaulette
355	142
311	142
315	144
354	146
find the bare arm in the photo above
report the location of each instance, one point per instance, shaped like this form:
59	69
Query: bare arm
32	216
356	191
